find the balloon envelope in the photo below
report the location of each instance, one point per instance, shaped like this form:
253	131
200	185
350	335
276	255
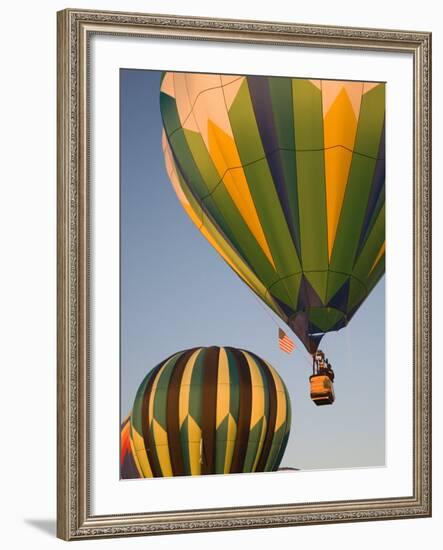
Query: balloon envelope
210	411
128	467
286	179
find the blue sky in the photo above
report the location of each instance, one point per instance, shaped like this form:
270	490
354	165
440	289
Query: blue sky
177	293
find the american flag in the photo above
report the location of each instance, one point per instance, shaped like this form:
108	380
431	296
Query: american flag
285	343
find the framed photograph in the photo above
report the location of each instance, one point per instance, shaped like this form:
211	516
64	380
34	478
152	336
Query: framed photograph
244	292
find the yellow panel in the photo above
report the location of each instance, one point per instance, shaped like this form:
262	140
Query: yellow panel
337	166
256	378
152	395
223	389
143	464
281	410
137	462
223	370
281	398
162	448
340	121
379	255
183	407
277	380
223	151
137	440
194	439
340	126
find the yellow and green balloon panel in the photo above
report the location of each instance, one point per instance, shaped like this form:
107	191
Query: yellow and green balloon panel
285	177
214	410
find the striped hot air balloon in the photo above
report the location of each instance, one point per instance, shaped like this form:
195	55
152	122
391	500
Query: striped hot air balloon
285	178
210	410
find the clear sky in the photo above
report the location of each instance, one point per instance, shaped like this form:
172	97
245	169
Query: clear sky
177	293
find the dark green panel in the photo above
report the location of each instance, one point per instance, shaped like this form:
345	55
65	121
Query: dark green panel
379	205
352	214
308	115
244	126
272	218
234	394
275	448
221	436
312	208
281	97
202	159
136	416
189	194
376	274
168	109
319	282
287	290
371	248
356	293
161	392
263	368
251	450
281	452
335	282
195	393
166	371
187	164
288	162
222	430
370	122
184	439
325	318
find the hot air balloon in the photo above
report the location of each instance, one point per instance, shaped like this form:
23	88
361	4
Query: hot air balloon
128	468
210	410
285	178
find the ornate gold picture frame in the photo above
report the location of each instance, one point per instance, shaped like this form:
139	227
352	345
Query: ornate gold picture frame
75	516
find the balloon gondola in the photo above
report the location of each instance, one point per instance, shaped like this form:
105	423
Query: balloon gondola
322	380
285	178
